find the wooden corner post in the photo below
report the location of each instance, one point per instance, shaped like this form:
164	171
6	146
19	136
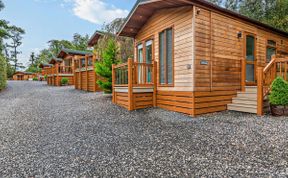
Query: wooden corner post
113	84
130	85
260	98
57	75
86	68
155	84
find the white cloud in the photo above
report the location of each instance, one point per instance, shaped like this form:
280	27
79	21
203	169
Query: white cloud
97	11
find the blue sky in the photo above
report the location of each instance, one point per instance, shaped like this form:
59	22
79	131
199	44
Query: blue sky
44	20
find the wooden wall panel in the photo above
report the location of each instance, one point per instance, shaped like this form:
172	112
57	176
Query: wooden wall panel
181	20
122	99
176	101
143	100
216	42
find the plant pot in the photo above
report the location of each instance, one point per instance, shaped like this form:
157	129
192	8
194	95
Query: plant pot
279	110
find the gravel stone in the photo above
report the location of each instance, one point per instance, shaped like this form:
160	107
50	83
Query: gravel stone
62	132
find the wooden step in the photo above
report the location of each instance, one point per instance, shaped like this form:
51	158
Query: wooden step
242	108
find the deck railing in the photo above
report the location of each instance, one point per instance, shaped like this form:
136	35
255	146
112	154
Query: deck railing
65	70
142	74
278	66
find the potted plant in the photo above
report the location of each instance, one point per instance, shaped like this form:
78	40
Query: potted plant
279	97
64	81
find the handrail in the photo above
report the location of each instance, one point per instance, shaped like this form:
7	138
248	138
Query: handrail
266	76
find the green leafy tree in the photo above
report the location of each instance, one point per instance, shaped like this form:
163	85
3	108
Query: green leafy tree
80	42
104	67
3	72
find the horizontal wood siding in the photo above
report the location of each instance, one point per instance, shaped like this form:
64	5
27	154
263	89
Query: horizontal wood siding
176	101
122	99
86	82
143	100
216	42
181	21
208	102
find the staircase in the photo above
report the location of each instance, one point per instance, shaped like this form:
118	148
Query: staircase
245	101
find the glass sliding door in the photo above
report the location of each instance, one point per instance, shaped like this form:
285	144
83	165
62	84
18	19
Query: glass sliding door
251	61
140	60
148	59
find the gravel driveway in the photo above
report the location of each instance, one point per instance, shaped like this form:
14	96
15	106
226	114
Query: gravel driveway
61	132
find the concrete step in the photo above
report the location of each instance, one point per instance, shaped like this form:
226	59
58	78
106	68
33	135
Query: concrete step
251	89
247	95
244	101
242	108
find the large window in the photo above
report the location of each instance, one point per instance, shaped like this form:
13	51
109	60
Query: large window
166	57
270	50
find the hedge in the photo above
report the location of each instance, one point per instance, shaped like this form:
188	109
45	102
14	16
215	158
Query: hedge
3	72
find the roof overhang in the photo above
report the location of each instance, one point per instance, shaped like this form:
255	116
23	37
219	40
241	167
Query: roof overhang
144	9
64	52
94	38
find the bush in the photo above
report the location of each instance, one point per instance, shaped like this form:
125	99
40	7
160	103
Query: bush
35	79
3	72
45	77
279	93
64	81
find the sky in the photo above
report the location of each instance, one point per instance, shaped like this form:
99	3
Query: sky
44	20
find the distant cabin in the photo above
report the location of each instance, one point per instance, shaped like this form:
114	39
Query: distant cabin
23	75
84	67
194	57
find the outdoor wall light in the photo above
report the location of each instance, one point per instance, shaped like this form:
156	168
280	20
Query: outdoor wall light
239	35
198	11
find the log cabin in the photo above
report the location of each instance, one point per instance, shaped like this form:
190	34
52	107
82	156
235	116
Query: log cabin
195	58
44	68
84	67
23	75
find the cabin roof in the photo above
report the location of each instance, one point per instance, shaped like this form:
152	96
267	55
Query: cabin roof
95	37
53	60
45	65
65	51
144	9
24	73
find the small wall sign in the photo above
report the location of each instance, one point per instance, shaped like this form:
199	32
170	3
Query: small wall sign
204	62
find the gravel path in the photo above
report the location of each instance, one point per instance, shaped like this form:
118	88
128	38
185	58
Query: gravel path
60	132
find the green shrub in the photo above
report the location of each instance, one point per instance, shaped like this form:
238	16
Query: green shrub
64	81
3	72
279	93
35	79
45	77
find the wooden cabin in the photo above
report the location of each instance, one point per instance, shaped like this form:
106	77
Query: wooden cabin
44	68
85	75
59	70
194	57
23	76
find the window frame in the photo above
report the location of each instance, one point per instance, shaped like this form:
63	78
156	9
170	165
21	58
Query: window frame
270	46
165	60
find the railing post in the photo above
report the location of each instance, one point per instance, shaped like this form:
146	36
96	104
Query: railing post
113	84
130	85
243	75
260	98
57	75
86	68
80	73
154	83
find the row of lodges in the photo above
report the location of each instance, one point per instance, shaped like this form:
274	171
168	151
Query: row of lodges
74	65
191	56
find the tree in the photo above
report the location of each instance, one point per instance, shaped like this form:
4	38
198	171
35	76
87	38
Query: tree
125	44
32	58
15	34
104	67
80	42
3	72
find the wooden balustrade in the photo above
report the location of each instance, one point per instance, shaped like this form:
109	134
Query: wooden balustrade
65	70
278	66
142	74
